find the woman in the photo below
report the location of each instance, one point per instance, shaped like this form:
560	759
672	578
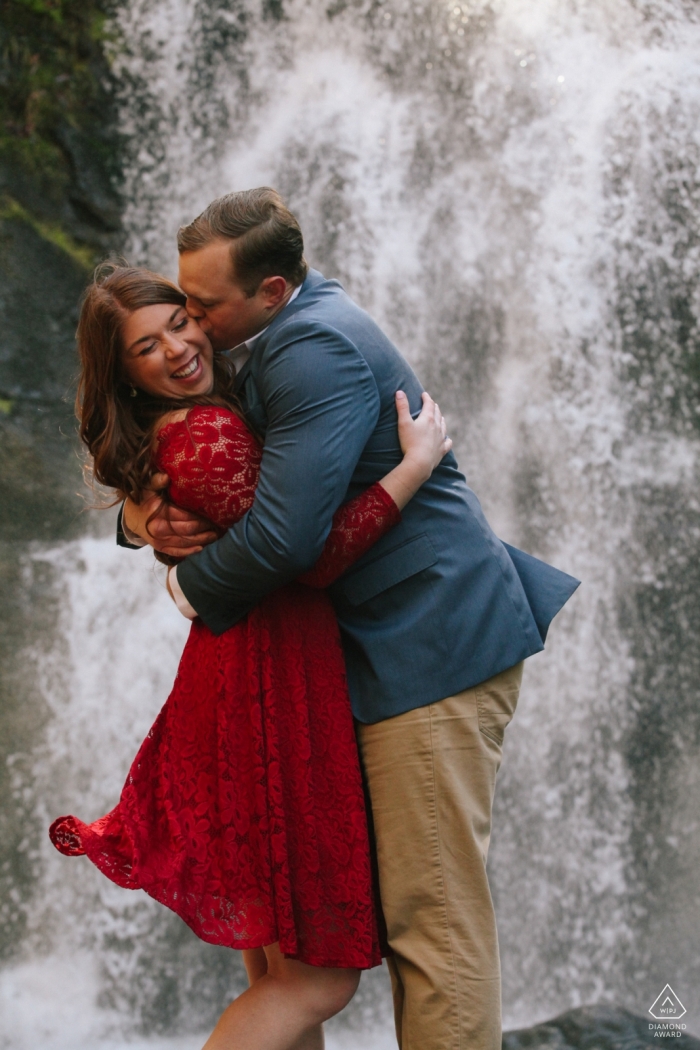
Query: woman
243	810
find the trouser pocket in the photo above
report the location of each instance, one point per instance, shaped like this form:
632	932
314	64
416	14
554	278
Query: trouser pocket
496	700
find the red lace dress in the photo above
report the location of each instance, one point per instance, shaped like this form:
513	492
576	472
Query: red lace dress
243	811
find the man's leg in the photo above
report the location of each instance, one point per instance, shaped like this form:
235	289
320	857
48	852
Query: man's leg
431	775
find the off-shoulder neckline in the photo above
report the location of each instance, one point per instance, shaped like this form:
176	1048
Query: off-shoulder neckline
198	409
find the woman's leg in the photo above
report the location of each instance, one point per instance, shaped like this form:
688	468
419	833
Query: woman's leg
284	1006
255	962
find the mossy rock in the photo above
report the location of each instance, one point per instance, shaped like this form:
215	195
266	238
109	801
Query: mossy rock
60	212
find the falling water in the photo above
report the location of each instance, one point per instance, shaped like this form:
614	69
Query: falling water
512	190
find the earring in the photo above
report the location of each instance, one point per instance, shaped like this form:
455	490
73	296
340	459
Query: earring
134	391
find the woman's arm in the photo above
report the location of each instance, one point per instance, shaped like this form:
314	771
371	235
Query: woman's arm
361	522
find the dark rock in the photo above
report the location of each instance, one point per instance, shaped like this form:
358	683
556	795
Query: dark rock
60	212
91	193
600	1027
40	284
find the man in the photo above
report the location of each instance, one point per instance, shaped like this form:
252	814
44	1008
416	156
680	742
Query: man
436	619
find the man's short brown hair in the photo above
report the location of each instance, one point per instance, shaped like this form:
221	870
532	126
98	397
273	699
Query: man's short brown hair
266	238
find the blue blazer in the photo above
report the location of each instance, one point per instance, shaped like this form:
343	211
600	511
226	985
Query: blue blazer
439	603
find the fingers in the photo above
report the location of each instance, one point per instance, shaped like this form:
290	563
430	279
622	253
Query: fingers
179	545
430	406
429	425
402	407
201	539
437	416
179	515
188	530
176	538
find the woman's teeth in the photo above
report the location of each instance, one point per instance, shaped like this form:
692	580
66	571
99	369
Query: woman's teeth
187	370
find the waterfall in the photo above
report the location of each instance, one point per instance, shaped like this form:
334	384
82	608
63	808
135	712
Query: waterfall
512	190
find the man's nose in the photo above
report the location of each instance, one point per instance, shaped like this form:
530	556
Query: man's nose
194	310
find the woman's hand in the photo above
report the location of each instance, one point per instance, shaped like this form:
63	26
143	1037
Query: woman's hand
424	442
424	439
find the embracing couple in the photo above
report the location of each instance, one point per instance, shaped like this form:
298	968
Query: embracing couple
317	789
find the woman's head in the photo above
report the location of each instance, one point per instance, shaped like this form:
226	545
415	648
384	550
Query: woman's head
140	354
134	333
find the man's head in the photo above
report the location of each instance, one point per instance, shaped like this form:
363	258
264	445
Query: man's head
240	260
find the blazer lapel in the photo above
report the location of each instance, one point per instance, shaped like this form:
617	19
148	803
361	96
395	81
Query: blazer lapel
246	388
251	402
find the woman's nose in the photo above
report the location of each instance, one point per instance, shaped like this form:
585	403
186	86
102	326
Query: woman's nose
174	346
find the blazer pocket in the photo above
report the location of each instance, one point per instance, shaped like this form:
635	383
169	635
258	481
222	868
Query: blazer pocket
399	564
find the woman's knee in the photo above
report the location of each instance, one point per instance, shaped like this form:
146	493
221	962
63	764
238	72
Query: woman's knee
324	991
333	993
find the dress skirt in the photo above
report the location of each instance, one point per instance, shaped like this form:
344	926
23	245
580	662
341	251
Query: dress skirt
244	810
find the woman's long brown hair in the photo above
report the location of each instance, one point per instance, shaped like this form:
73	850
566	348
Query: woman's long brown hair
116	427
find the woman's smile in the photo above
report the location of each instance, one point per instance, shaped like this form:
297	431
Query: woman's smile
191	370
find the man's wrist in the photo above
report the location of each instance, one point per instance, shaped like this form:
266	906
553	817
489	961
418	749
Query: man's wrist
177	594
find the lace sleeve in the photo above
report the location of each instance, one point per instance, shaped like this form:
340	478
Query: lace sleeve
213	462
357	526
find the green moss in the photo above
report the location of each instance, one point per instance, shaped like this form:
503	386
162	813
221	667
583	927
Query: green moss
53	233
56	104
50	53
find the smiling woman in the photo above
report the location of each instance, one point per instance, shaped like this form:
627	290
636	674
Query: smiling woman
166	353
135	337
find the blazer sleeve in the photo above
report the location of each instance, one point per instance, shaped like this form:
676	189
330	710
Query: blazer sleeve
322	404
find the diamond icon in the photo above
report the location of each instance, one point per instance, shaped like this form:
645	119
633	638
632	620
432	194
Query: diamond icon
667	1006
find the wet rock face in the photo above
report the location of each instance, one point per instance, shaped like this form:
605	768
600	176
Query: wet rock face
59	213
598	1027
39	470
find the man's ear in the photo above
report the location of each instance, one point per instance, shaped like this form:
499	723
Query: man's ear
273	291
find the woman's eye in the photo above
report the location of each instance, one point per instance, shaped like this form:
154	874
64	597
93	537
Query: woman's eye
147	350
181	324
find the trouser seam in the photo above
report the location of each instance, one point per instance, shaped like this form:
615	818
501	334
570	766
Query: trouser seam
442	879
480	714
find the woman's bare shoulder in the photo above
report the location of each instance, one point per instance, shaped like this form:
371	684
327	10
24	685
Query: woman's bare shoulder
178	415
198	413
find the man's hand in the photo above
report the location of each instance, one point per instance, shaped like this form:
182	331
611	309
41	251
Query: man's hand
172	530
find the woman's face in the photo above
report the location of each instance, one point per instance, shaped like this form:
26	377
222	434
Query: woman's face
166	353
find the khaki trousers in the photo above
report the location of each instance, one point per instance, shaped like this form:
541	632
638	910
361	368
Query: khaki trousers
431	775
